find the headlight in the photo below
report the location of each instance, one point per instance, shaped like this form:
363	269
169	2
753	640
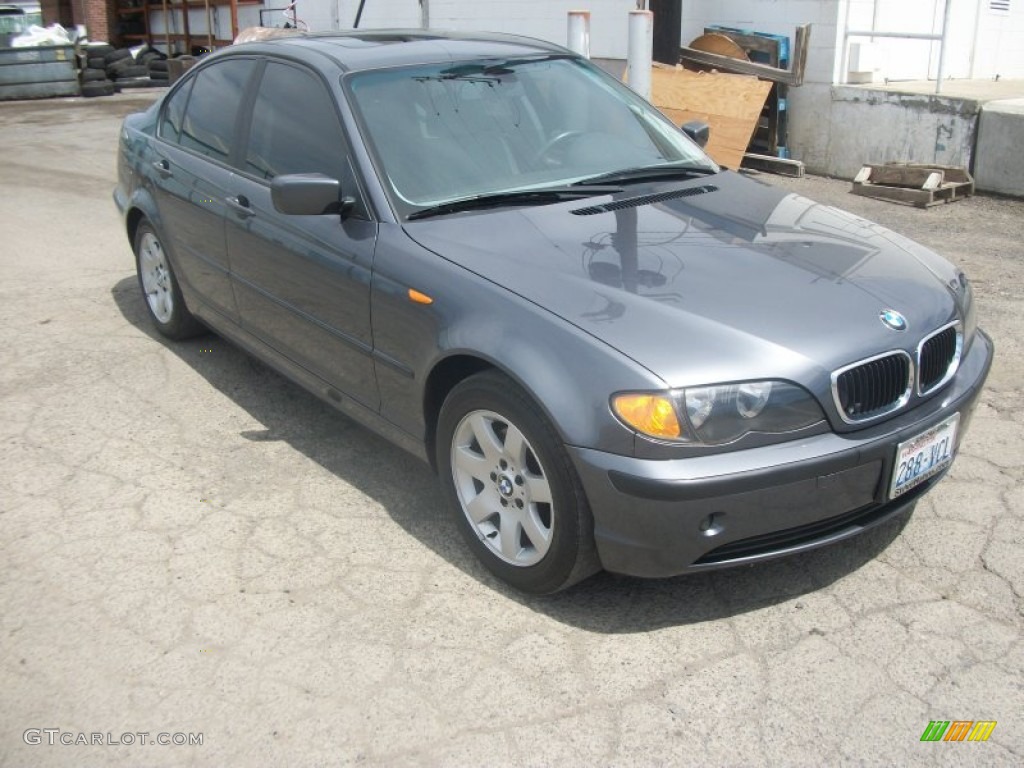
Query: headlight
719	414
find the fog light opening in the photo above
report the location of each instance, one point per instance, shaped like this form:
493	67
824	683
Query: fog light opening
712	524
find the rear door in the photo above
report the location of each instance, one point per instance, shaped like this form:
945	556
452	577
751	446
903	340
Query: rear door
302	282
198	132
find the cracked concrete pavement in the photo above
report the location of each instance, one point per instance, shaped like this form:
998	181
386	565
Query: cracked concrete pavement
191	544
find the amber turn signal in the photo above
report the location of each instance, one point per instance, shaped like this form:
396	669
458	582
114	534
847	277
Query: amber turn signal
653	415
419	298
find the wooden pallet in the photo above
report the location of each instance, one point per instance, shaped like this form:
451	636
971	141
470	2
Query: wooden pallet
919	184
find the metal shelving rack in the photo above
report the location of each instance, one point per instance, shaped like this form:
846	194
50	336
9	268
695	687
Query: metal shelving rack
186	36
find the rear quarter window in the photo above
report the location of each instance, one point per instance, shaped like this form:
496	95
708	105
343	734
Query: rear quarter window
169	127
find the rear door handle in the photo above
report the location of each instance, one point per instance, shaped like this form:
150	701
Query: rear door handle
240	205
163	168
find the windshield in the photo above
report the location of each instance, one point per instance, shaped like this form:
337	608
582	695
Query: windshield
447	132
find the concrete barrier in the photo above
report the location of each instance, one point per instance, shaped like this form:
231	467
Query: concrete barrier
999	159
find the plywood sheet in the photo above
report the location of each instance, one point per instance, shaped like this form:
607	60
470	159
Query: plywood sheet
730	104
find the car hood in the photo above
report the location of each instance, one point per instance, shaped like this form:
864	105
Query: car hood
716	279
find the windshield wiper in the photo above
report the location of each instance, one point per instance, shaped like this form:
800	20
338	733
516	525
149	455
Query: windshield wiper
521	197
645	172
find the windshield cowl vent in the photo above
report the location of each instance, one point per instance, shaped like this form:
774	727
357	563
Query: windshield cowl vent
633	202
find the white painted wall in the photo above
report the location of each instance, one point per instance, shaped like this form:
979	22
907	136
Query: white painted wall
1000	48
545	19
981	43
997	41
824	130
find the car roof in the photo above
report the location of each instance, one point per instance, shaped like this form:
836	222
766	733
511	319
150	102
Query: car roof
373	49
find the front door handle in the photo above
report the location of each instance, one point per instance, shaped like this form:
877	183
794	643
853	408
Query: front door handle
163	168
240	205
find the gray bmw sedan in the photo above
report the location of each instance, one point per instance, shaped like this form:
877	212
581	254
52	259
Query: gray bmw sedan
614	353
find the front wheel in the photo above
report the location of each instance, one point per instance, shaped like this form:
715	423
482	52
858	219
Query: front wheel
515	494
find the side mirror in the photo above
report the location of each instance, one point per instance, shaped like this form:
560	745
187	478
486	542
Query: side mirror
308	194
697	130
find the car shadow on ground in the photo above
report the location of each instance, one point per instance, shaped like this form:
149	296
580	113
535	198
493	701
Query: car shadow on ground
605	603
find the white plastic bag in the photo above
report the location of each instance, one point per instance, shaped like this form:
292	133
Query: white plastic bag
36	36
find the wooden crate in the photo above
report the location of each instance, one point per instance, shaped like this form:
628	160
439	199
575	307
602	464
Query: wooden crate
919	184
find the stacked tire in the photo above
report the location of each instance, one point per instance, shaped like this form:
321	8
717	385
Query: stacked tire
122	67
93	77
156	64
109	70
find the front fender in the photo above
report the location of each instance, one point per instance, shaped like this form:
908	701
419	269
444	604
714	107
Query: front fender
568	372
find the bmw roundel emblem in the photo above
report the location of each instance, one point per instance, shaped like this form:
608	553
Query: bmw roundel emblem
892	319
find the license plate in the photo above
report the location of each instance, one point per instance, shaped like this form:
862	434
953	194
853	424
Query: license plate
924	456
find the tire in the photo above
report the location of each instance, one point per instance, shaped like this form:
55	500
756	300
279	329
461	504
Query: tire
160	288
121	84
157	65
96	62
160	77
131	70
117	55
93	76
519	505
115	68
106	88
98	50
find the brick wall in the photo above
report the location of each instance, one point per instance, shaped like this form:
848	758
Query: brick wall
98	16
51	11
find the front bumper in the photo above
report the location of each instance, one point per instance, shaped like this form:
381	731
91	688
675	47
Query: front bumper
663	518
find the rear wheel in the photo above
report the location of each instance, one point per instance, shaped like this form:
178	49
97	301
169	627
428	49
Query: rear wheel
515	494
160	287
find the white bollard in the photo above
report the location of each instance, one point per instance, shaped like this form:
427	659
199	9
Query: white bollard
579	33
641	51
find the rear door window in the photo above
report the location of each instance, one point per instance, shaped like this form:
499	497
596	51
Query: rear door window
209	124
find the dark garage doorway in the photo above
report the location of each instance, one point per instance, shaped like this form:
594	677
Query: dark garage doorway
668	29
